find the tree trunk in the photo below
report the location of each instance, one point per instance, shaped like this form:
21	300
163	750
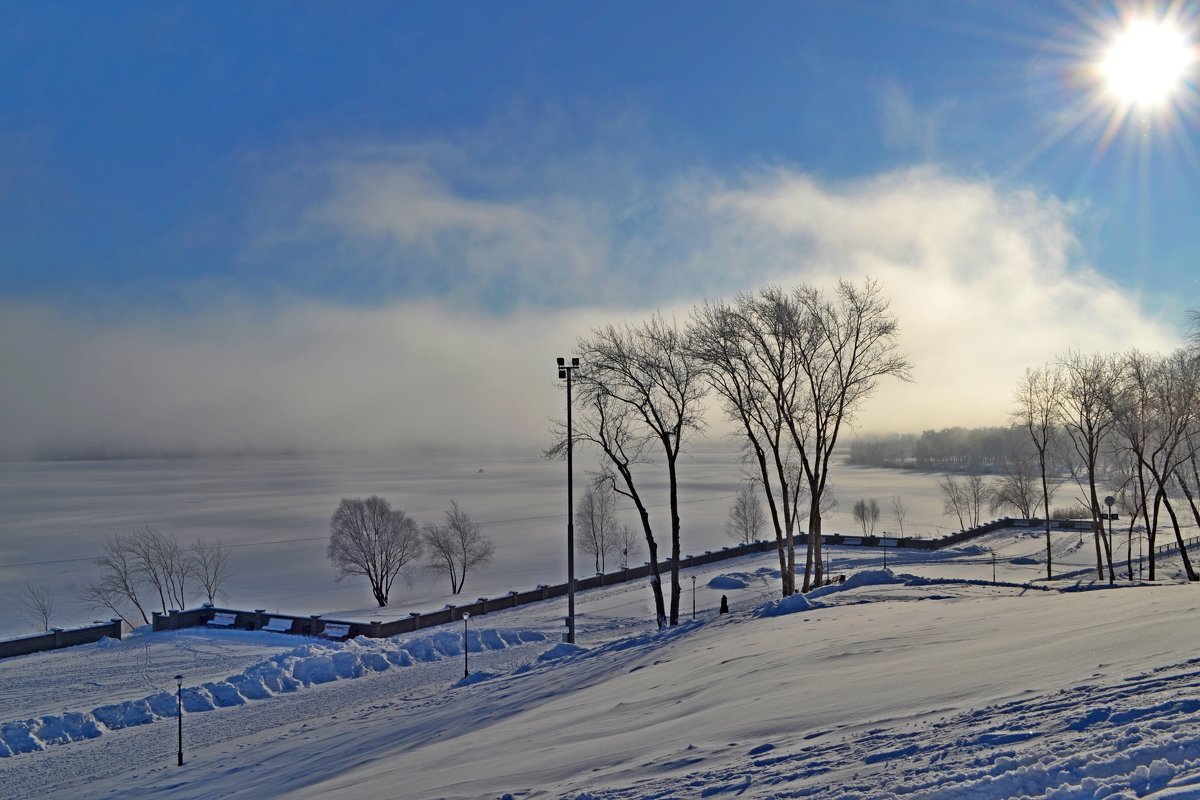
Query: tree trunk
1151	530
1183	555
676	588
1097	528
1046	509
780	543
660	612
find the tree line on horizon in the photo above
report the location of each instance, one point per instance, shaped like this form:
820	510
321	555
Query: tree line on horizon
951	449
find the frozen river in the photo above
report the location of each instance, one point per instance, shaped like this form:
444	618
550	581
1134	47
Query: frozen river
275	511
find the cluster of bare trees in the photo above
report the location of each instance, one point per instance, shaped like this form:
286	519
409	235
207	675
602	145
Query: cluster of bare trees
791	368
148	568
964	497
1125	425
368	537
866	514
599	533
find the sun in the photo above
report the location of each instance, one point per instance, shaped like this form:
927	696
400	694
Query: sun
1147	64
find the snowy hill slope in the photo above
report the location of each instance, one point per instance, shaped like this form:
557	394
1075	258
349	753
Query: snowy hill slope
890	686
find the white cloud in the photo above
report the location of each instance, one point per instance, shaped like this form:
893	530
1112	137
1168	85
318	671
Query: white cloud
430	221
985	280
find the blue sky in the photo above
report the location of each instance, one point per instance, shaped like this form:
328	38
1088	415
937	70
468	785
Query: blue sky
177	171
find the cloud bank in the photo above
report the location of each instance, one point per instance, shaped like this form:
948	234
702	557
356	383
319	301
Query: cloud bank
481	286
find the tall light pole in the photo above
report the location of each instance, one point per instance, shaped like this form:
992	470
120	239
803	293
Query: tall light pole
466	672
565	370
179	712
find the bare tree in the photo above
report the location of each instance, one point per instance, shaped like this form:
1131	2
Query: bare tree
162	564
899	512
1016	487
1178	392
977	493
1133	409
1155	407
844	346
369	538
746	518
120	582
38	604
627	544
457	547
611	426
596	523
748	357
210	565
1036	411
1129	502
649	373
963	498
954	500
1084	411
866	513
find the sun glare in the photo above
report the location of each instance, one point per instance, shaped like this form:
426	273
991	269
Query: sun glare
1147	63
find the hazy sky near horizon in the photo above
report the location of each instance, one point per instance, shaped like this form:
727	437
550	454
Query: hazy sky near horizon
280	225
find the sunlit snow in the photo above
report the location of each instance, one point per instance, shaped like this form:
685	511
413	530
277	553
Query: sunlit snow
922	680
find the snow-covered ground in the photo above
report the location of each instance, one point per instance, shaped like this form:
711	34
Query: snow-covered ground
925	680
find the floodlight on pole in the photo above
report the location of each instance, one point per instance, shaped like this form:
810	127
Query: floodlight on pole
566	370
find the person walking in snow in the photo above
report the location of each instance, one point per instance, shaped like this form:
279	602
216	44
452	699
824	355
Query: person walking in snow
724	604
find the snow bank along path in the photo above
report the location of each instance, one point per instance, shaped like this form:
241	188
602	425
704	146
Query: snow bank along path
300	667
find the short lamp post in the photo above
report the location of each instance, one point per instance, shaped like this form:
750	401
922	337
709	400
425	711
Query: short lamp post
566	370
179	713
693	597
466	650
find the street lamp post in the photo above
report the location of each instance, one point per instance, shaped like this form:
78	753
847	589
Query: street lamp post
565	370
466	650
693	597
179	713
